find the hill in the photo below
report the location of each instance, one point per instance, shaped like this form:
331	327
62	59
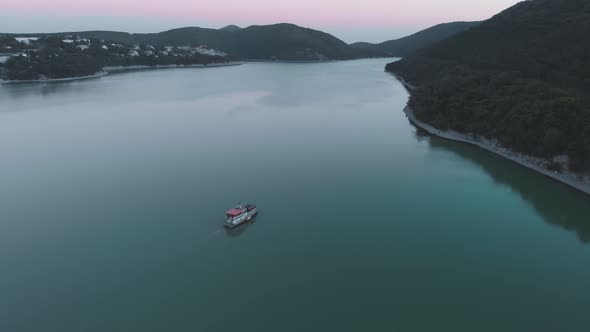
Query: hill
231	28
287	41
407	45
267	42
522	78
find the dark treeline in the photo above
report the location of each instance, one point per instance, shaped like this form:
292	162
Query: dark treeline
522	77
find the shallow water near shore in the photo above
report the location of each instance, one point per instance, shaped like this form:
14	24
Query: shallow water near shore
113	193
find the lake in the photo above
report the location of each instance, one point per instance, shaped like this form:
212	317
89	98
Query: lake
113	193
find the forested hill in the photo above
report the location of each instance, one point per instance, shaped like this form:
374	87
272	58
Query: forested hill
266	42
522	77
407	45
277	41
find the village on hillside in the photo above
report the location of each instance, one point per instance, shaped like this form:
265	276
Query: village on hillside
53	57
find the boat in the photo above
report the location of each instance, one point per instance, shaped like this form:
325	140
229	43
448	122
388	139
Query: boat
239	215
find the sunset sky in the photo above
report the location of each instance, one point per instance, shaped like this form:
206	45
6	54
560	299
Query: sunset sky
368	20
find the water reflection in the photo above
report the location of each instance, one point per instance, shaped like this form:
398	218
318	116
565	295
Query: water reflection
557	203
26	90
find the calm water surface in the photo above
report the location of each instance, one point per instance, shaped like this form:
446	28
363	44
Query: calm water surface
112	193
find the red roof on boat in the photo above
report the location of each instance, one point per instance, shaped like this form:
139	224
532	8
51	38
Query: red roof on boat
234	212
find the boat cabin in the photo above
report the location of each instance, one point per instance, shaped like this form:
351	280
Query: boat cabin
239	210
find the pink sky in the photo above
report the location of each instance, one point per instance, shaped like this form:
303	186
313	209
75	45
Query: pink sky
330	15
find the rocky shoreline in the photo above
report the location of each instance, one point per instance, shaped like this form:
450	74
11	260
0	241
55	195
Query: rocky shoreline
574	180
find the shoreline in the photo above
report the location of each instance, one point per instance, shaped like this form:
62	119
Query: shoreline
51	80
573	180
115	69
291	61
315	61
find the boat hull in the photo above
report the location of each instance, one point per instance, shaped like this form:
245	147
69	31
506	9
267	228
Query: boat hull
241	219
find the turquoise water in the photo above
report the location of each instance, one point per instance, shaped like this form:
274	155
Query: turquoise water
113	194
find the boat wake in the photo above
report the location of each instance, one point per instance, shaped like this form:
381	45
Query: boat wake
215	233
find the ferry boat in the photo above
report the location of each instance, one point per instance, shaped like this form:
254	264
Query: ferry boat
239	215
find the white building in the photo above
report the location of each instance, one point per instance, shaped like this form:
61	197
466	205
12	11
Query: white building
26	40
212	52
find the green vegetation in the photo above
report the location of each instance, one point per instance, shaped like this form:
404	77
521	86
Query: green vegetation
407	45
54	60
522	77
288	42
